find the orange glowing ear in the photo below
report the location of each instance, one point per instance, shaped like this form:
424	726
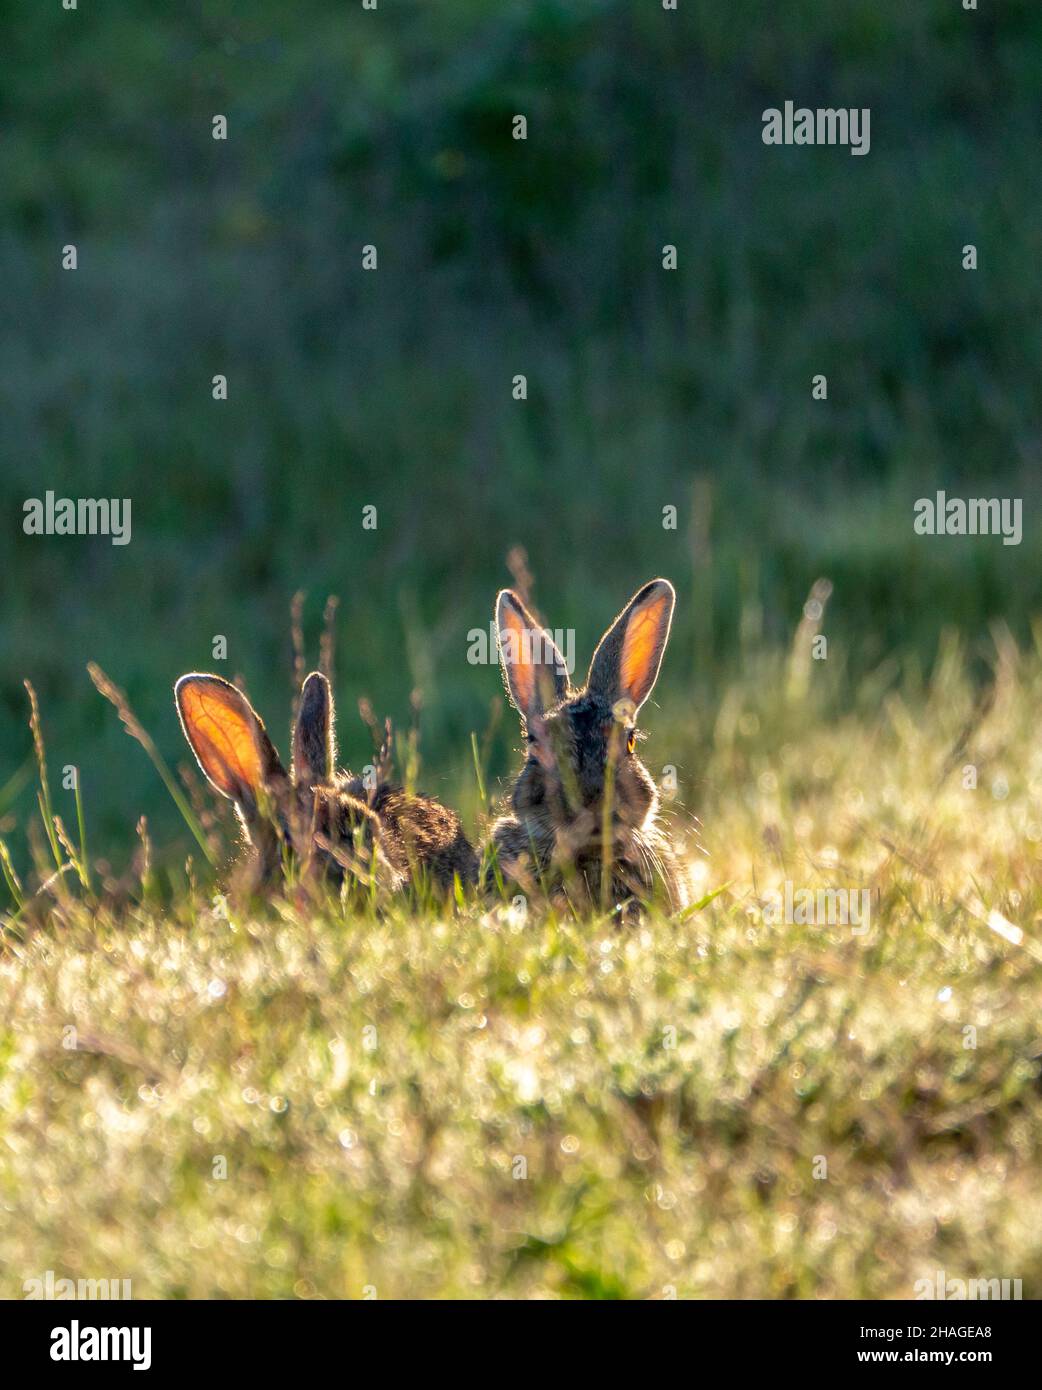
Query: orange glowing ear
626	664
227	737
644	643
533	666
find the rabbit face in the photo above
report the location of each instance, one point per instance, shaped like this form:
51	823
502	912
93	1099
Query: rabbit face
583	797
582	767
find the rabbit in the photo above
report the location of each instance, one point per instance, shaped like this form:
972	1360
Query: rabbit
329	819
582	784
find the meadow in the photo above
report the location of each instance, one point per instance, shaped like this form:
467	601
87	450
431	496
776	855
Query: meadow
289	1100
282	1098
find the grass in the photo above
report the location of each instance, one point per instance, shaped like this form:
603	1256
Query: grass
471	1103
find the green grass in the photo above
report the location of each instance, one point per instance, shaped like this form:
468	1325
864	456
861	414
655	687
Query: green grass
670	1088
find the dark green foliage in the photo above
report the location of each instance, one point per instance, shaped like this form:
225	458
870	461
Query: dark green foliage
498	257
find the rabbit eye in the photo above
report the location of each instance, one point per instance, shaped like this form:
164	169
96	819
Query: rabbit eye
631	742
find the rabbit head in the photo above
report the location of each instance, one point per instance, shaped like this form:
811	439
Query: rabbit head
310	810
583	797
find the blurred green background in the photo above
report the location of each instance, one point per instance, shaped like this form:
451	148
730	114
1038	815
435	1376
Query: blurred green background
647	388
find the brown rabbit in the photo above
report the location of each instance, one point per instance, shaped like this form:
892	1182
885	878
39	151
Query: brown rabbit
328	819
583	796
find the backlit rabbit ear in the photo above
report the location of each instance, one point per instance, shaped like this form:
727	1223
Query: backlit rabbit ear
626	664
228	738
313	754
533	666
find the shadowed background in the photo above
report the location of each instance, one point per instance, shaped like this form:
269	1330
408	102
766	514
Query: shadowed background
647	388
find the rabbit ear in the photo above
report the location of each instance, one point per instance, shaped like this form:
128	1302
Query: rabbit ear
625	665
228	738
313	755
534	669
